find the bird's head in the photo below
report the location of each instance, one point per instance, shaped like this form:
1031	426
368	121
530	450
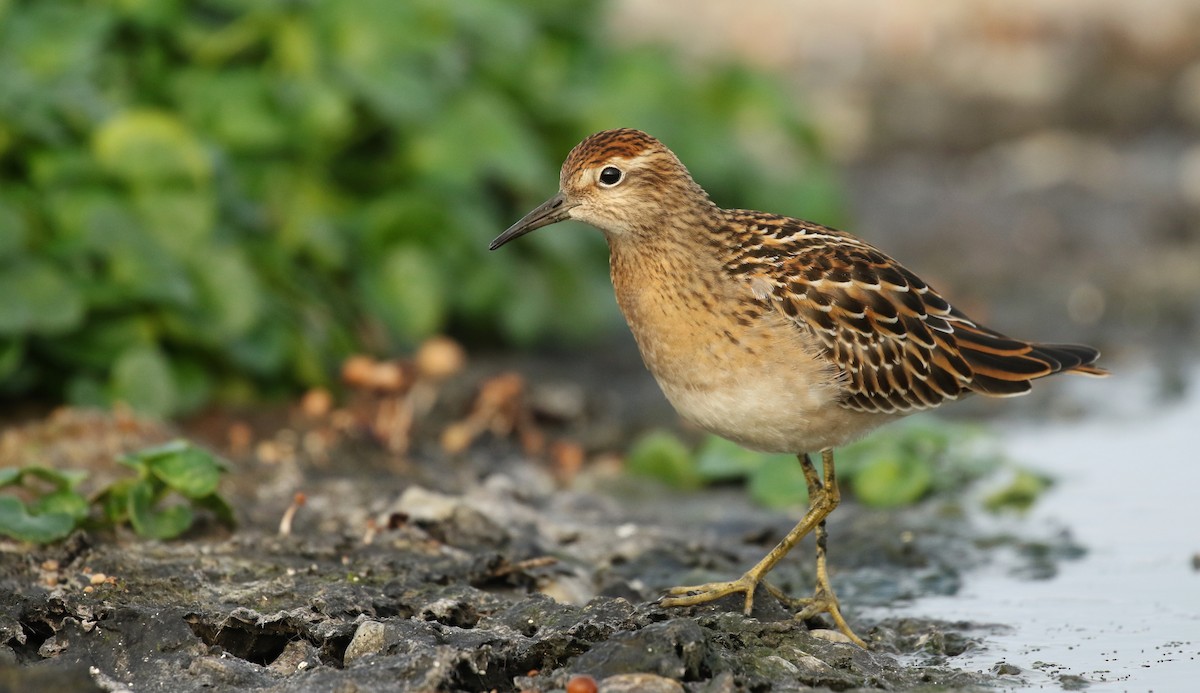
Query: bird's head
620	181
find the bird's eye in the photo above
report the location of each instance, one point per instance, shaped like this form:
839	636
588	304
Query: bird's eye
610	176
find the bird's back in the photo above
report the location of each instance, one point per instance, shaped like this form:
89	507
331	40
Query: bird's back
898	345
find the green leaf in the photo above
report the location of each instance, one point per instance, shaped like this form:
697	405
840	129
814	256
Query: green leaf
11	355
235	107
893	480
408	293
61	480
722	460
37	298
528	312
374	49
190	471
141	378
18	523
99	346
194	384
142	270
9	476
450	148
87	392
219	507
114	500
13	229
779	483
150	146
62	501
152	13
308	210
142	459
662	456
1021	494
323	112
231	291
148	521
264	350
182	220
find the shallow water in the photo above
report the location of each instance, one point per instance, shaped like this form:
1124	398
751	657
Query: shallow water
1125	616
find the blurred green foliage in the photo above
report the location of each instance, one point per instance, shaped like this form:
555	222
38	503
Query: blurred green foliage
52	512
660	455
177	471
899	465
1021	492
222	199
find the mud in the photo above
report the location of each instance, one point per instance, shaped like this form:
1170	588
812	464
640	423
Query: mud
484	572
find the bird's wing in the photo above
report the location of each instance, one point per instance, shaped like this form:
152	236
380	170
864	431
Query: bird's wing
898	344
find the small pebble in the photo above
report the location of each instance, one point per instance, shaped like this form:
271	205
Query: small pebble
638	683
830	635
368	639
582	684
1005	669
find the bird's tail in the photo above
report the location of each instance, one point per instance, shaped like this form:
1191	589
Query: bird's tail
1004	366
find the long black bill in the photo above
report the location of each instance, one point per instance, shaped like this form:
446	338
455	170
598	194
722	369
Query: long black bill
549	212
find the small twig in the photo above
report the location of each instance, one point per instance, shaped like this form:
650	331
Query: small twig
285	524
527	564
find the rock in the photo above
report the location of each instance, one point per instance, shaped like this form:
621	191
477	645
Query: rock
368	639
421	504
47	678
298	655
451	612
450	519
223	672
53	647
639	683
674	649
721	683
830	635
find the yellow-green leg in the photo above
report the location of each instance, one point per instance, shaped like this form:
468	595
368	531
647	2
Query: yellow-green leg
822	499
824	600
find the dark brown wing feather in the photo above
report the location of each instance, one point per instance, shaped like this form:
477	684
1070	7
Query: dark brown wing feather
900	346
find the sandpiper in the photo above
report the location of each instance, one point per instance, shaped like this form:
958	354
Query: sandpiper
779	334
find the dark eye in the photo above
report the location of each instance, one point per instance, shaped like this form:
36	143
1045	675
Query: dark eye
610	176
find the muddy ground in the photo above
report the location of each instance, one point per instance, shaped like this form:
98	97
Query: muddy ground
512	565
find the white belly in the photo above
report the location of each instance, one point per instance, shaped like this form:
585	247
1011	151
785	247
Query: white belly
770	416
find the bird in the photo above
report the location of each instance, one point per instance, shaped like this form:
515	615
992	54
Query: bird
779	334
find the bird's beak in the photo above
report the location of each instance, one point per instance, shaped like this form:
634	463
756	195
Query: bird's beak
549	212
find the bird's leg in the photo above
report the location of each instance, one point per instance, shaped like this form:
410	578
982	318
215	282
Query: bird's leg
820	504
824	600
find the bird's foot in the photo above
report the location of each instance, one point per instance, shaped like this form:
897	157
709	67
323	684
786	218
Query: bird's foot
691	595
823	601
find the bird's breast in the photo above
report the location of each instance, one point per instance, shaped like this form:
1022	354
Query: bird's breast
731	365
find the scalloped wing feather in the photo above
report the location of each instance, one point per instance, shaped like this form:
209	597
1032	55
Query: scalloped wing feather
900	346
